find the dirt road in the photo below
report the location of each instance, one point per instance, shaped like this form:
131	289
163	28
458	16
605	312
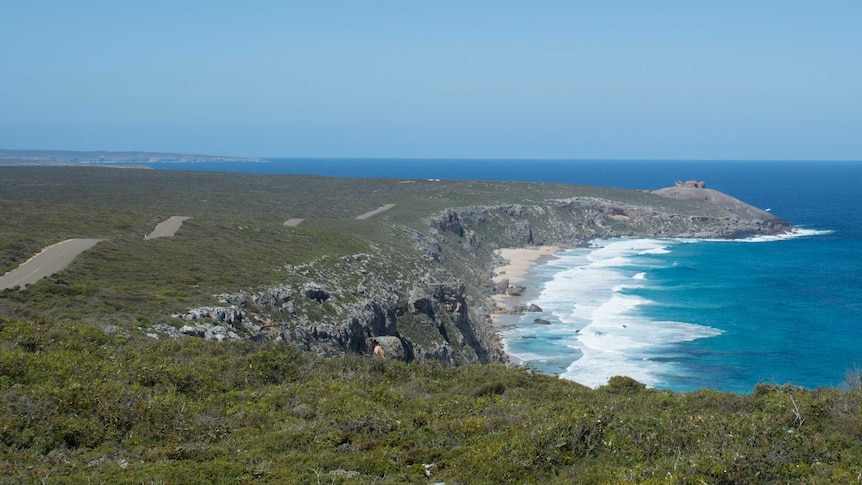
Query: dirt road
51	260
376	211
167	228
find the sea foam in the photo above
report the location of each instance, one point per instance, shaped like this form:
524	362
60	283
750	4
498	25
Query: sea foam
590	302
796	233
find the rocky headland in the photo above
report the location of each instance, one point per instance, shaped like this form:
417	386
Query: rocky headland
432	301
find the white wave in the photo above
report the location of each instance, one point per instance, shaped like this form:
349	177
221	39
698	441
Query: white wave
594	314
595	369
794	234
618	349
662	250
799	232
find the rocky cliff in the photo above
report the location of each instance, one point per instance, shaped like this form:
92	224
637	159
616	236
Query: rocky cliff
431	294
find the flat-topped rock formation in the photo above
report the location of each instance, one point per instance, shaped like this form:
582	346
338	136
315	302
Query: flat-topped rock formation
731	205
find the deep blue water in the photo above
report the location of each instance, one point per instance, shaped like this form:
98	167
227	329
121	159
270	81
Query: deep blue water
680	314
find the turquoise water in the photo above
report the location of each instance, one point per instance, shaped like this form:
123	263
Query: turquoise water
677	314
691	314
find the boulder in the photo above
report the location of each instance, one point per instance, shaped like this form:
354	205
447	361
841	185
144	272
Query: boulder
541	321
501	286
532	308
386	347
516	290
193	331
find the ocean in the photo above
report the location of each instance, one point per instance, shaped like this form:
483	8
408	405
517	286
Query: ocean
679	314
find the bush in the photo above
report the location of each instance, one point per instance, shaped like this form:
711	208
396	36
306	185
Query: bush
488	389
79	404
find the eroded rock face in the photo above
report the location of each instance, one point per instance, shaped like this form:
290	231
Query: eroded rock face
433	301
228	315
578	220
431	320
316	292
451	223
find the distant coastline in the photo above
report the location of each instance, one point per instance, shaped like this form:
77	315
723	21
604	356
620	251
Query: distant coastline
129	159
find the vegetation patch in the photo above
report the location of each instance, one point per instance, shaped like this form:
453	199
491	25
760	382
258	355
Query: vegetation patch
82	404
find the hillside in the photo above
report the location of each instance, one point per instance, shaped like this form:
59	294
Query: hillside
81	405
410	259
95	387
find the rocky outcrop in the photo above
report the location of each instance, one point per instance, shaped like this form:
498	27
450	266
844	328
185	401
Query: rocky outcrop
531	308
431	302
577	220
724	216
389	348
316	292
426	310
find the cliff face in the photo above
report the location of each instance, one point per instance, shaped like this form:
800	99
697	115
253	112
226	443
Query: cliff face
432	292
344	305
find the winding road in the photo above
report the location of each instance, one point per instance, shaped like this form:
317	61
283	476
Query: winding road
49	261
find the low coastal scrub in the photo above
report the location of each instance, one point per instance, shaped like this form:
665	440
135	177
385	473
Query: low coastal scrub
88	393
81	405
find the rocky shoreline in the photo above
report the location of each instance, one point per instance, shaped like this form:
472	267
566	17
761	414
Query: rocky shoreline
436	303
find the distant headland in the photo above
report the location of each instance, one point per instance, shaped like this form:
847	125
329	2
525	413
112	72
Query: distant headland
71	157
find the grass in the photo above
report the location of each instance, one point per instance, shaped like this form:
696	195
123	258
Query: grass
85	405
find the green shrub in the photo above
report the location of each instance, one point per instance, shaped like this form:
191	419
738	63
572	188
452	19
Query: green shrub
489	389
79	404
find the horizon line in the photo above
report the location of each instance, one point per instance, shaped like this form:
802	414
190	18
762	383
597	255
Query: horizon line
421	158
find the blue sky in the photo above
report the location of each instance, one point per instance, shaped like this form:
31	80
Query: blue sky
611	79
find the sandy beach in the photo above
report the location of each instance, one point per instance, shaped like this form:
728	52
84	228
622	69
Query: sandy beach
519	261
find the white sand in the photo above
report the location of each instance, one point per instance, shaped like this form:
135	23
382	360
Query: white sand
519	261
